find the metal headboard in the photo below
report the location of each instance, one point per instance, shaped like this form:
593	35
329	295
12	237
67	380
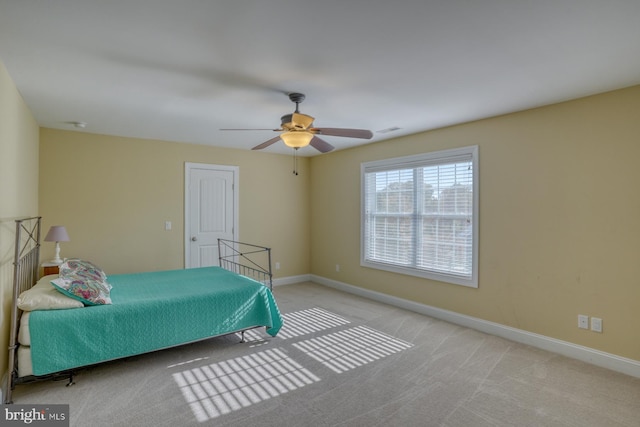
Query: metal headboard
25	274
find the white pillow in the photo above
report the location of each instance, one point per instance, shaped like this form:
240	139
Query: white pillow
43	296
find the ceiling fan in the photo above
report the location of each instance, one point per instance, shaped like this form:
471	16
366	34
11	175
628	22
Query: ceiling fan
298	131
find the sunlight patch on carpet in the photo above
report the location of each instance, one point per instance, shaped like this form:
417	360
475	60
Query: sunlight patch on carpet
348	349
198	359
309	321
220	388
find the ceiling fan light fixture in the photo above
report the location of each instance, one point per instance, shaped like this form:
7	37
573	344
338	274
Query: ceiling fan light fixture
297	131
296	139
301	120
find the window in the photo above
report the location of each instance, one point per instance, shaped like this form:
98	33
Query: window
420	215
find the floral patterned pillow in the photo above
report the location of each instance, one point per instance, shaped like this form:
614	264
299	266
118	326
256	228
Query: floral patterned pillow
82	268
89	292
83	281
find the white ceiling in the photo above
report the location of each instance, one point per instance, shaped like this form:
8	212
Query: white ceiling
181	70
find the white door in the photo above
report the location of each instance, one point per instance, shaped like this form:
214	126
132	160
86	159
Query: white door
211	211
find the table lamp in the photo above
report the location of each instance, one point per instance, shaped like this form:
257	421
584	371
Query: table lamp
57	233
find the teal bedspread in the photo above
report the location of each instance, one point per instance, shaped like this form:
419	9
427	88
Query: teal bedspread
150	311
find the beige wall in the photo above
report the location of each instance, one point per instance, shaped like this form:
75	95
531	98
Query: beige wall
559	220
559	210
18	188
114	195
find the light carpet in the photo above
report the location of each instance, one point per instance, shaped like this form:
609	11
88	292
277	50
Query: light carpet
342	360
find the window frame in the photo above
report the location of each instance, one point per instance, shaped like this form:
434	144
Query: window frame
412	162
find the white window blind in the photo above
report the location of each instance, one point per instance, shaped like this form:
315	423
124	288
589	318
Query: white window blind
419	215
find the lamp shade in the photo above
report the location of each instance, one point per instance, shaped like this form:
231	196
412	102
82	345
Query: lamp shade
296	139
57	233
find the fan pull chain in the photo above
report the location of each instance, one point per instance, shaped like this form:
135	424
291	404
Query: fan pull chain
295	161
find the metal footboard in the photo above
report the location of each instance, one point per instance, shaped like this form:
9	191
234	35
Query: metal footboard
249	260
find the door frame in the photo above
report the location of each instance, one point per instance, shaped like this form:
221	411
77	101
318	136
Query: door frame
188	167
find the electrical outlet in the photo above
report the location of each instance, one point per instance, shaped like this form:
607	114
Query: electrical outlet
338	268
583	321
596	324
277	266
167	225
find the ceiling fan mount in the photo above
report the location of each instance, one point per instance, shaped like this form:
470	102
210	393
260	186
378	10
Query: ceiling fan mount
296	97
298	130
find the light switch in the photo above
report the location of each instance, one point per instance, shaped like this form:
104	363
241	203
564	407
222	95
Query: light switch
167	225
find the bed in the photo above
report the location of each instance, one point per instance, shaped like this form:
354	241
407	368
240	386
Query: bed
146	311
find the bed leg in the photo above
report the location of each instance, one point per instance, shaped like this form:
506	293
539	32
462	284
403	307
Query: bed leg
71	382
242	337
11	386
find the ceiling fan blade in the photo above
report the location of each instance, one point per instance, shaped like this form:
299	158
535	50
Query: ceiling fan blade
321	145
349	133
267	143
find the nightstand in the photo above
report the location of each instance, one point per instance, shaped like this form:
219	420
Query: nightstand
50	268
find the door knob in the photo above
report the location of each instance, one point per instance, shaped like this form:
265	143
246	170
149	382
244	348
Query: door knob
194	238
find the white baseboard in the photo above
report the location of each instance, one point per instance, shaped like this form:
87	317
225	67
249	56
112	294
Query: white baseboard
291	280
575	351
